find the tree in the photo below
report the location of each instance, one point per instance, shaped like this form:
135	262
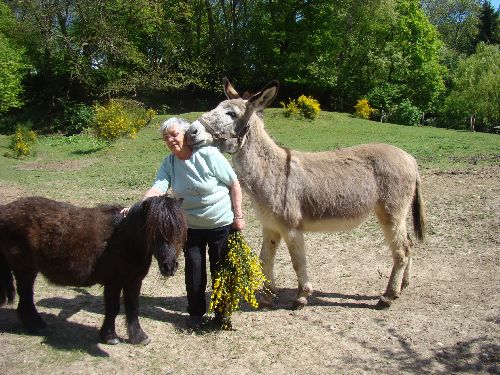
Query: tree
13	65
489	25
456	22
474	101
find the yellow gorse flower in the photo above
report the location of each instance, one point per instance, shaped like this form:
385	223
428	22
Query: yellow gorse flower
239	277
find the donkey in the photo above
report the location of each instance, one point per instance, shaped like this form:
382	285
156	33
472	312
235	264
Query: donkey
80	246
293	192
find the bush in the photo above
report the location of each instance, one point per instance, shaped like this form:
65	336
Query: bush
304	106
405	113
22	142
78	117
120	118
363	110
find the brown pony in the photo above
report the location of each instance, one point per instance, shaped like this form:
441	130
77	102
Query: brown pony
79	246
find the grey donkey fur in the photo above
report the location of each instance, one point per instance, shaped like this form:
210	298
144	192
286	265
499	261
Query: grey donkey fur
293	192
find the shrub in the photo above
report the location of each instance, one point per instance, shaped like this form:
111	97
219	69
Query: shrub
78	117
405	113
304	106
22	142
120	118
363	110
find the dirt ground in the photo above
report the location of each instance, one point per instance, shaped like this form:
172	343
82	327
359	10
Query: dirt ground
446	322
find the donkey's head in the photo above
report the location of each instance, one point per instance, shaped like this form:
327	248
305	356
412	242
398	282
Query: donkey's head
230	121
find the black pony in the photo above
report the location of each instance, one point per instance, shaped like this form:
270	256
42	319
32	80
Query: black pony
78	246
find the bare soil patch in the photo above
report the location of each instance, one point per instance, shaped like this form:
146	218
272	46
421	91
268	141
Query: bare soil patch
447	321
72	165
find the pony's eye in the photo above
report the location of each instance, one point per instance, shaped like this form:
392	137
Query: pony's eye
231	114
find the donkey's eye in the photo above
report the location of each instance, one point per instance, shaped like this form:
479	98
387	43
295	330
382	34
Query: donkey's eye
231	114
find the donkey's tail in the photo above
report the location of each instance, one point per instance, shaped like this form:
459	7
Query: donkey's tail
7	289
418	212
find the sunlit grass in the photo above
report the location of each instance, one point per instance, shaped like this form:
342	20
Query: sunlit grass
80	169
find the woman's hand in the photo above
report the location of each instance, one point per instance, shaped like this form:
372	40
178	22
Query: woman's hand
125	211
238	223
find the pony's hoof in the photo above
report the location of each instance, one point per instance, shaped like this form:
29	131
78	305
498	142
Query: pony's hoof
109	339
144	342
383	303
36	327
299	303
112	341
140	340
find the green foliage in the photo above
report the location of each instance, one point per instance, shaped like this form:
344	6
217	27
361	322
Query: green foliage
78	117
417	47
119	118
456	21
405	113
12	71
363	110
22	142
303	107
489	25
475	89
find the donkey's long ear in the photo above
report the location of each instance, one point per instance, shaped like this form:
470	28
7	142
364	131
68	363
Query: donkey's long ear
265	97
229	90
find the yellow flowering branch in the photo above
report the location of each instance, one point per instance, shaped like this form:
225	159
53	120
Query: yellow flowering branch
239	277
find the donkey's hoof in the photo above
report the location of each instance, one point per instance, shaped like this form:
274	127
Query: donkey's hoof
265	301
299	303
383	303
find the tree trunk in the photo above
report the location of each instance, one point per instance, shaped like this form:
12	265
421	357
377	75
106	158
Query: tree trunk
472	123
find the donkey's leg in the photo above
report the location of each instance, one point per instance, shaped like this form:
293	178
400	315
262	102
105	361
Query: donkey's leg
270	242
26	310
131	300
407	271
296	247
394	229
107	333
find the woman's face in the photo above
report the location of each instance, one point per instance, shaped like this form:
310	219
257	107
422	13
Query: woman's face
174	138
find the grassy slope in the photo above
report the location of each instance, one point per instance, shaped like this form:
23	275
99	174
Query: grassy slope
76	169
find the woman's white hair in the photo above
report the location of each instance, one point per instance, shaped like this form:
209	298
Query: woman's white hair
182	124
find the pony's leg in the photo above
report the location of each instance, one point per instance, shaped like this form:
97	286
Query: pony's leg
26	310
131	300
107	333
296	247
394	229
270	242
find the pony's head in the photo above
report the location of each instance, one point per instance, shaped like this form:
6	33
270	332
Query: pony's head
162	230
229	122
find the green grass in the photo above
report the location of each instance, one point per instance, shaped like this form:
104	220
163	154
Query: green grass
433	147
79	169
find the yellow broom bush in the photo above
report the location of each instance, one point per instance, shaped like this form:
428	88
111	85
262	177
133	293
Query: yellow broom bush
239	277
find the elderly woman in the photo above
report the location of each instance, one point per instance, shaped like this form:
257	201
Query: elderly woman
212	198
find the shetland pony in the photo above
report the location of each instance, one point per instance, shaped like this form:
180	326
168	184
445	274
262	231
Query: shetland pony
78	246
